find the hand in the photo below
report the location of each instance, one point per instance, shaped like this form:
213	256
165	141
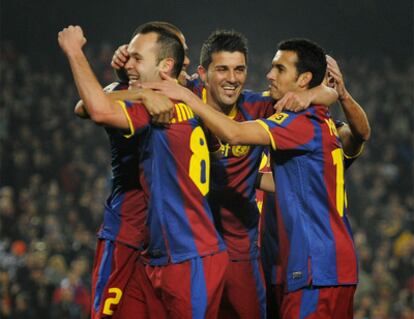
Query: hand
184	77
71	39
120	57
335	78
169	87
293	101
160	107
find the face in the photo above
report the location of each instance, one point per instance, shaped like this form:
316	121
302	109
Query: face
283	75
225	78
142	65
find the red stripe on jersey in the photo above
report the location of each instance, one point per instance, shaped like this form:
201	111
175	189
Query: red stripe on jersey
284	243
133	215
299	132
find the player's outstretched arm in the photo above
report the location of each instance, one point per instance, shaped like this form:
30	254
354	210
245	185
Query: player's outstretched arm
101	109
359	130
234	133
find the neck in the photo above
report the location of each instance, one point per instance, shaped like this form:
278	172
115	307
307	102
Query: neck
226	109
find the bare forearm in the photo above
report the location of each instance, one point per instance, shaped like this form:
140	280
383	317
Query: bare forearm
323	95
266	182
90	91
356	118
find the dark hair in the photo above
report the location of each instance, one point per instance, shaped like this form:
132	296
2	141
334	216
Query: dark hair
311	58
222	40
168	40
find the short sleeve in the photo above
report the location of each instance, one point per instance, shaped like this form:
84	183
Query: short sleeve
289	131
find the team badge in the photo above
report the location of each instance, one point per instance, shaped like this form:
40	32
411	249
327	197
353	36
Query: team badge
240	150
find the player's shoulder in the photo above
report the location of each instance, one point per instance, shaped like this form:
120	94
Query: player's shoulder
252	96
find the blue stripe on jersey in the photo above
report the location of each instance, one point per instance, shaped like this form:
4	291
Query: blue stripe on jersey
103	273
112	217
308	302
260	287
321	238
199	299
164	181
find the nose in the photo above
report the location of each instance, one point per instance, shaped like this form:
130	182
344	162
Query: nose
231	76
270	76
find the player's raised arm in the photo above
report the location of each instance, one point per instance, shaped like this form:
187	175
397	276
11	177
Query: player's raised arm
359	130
101	109
234	133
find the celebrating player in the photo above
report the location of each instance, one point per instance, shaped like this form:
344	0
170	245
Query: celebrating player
174	165
317	252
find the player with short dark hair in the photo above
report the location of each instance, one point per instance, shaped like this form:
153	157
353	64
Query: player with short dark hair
317	252
223	70
186	257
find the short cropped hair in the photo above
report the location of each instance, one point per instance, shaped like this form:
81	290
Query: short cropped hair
222	40
311	58
170	45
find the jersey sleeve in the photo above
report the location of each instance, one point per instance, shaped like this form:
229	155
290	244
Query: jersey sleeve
289	131
137	116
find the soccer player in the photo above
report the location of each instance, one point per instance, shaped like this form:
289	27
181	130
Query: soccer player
125	209
185	256
223	69
121	236
317	252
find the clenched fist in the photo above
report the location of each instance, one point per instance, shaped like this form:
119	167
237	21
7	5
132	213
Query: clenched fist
71	39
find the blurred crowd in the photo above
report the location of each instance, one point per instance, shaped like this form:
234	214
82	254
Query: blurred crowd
54	178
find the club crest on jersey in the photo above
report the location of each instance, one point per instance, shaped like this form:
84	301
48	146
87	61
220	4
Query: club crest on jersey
236	150
278	118
240	150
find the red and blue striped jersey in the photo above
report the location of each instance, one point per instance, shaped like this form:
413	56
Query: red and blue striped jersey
175	165
315	239
125	208
233	183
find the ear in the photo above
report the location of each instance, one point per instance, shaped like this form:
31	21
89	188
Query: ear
202	72
167	65
304	79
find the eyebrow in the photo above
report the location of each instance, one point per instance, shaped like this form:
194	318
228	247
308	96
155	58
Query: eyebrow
279	66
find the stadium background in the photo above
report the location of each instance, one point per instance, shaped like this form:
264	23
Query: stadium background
54	167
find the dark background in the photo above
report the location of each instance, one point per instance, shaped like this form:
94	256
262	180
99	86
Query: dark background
346	28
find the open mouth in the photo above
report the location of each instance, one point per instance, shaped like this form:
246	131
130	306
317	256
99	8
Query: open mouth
229	89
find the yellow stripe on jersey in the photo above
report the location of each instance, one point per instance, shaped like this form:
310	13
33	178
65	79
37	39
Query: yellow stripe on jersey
204	95
357	154
264	125
233	112
131	126
266	93
183	113
263	162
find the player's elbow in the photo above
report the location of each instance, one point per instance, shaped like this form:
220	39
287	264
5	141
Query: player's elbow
232	137
366	134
